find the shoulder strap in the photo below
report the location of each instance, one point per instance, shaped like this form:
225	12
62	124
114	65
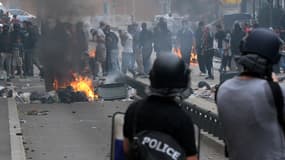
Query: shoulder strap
136	119
216	93
279	102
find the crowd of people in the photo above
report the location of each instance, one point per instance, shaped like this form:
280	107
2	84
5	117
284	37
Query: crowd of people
17	44
139	43
130	50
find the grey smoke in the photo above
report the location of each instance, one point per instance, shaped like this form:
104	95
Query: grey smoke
65	8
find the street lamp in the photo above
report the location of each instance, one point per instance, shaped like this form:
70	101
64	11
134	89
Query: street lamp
270	2
253	8
133	10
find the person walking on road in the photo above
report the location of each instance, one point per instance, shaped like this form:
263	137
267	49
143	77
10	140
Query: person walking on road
146	42
199	41
185	40
128	57
162	40
112	42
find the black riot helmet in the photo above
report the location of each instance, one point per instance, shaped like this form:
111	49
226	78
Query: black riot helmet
264	43
169	72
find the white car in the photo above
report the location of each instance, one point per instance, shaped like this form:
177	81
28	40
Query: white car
2	7
22	15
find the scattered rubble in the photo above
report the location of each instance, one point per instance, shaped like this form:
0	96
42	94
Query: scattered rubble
68	95
205	91
6	92
37	113
3	75
106	92
203	84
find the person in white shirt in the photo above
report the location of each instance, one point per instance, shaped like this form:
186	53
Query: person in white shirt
101	48
128	58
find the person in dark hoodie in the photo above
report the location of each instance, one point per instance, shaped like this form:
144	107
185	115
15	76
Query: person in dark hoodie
5	48
17	39
163	42
199	42
236	37
146	41
112	42
30	38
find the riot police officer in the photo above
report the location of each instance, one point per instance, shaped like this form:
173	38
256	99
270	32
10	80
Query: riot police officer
160	111
247	104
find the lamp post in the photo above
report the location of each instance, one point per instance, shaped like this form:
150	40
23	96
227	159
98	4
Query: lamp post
253	8
270	12
133	10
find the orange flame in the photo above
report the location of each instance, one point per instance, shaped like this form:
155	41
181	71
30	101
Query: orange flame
55	84
79	84
92	53
85	85
177	52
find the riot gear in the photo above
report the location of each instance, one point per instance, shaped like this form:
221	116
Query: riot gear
169	72
264	43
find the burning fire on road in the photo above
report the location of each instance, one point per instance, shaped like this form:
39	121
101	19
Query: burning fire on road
177	52
193	58
79	83
92	53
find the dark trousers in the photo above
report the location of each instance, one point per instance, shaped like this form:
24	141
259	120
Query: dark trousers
186	55
209	63
201	61
225	62
28	62
146	54
108	61
92	65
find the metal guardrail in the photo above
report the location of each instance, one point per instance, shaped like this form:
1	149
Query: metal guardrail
206	120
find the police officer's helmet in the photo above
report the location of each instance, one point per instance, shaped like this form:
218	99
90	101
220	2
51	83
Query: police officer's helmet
264	43
169	72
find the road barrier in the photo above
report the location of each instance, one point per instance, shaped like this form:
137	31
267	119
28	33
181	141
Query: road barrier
205	120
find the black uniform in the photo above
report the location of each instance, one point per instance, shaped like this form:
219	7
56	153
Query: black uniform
146	40
185	37
165	115
201	57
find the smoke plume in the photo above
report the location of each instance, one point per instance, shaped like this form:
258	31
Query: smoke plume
65	8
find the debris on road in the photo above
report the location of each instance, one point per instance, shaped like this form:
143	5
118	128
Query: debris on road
68	95
37	113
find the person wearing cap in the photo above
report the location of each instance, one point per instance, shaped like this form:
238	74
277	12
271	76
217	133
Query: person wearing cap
247	104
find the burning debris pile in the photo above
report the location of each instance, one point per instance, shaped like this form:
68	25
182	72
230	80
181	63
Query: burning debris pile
78	89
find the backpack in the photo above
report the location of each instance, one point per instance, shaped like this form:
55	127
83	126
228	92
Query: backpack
279	102
154	145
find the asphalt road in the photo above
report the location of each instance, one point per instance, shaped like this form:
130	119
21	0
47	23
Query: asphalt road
5	146
79	131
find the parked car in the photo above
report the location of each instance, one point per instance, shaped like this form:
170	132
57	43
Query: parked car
2	7
22	15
